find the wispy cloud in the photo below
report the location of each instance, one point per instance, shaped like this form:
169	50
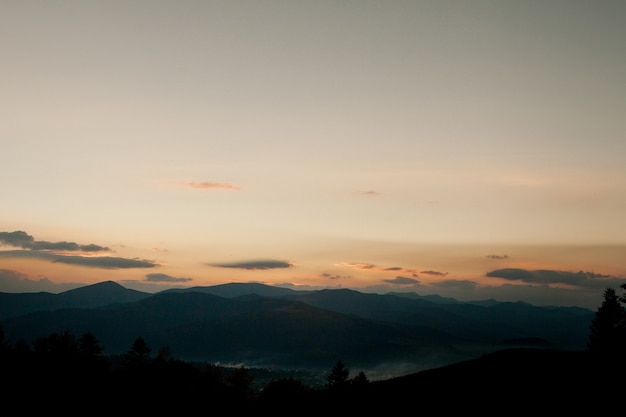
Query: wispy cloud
21	239
17	282
209	185
254	265
334	276
66	252
106	262
28	254
498	257
358	265
581	279
165	278
369	192
401	281
434	273
363	266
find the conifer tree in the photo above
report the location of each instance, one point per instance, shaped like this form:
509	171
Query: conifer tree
360	380
89	346
139	354
607	338
338	377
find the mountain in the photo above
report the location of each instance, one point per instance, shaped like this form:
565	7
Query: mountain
256	330
566	327
268	326
89	296
480	321
236	289
100	294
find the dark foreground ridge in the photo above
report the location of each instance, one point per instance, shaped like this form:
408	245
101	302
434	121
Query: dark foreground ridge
64	374
528	380
508	380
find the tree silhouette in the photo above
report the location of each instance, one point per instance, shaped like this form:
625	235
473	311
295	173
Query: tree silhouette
62	345
622	298
89	346
360	379
338	377
607	337
165	354
139	354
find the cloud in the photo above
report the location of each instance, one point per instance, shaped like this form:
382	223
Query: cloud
106	262
334	277
16	282
23	240
434	273
30	254
18	238
358	265
498	256
362	266
402	281
53	251
581	279
210	185
255	265
165	278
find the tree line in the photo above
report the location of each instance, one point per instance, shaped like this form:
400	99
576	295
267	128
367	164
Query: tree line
61	368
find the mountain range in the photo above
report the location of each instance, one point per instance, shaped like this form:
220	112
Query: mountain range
264	326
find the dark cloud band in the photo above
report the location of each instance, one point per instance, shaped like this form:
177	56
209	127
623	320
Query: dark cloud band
402	281
23	240
105	262
165	278
548	276
255	265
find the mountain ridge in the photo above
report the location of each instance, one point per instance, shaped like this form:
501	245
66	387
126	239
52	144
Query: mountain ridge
289	328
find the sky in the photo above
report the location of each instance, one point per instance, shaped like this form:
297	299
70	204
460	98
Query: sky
470	149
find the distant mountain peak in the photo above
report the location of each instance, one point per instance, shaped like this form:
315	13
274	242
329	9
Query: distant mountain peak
236	289
104	285
101	293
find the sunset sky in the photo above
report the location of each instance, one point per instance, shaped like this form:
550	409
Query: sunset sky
472	149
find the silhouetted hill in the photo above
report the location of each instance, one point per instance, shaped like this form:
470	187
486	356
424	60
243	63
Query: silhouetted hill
434	298
89	296
481	321
17	304
509	381
236	289
100	294
563	327
262	325
259	331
